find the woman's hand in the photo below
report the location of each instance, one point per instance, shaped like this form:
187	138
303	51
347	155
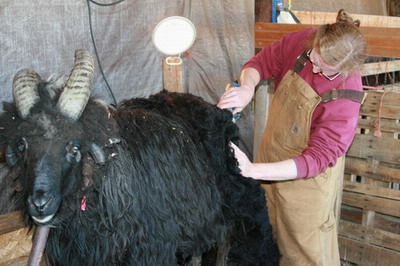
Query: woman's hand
245	165
277	171
236	97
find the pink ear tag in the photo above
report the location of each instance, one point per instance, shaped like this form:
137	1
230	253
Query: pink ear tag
83	203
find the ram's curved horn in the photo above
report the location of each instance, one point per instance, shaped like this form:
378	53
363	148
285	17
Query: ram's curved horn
25	91
77	89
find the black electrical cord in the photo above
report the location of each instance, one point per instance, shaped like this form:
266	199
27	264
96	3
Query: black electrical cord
94	43
109	4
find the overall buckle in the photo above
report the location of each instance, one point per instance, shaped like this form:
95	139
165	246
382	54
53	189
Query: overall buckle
334	95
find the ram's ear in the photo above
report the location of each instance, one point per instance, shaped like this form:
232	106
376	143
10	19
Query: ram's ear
11	187
98	154
13	177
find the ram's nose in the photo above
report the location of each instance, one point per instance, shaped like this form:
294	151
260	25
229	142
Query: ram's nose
43	205
41	199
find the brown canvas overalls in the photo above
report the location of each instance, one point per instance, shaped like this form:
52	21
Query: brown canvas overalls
302	210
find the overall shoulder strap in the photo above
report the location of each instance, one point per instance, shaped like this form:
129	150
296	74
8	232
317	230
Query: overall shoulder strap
356	96
300	62
334	94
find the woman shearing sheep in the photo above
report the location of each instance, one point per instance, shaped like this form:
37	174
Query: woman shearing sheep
311	124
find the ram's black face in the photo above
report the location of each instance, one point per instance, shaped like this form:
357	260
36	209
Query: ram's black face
51	163
43	135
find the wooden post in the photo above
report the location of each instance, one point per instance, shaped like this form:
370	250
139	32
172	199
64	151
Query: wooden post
172	75
263	97
337	207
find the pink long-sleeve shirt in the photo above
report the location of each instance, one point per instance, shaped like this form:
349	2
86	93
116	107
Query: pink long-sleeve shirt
333	124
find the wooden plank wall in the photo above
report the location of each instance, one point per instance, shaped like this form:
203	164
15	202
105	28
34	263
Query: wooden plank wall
318	18
384	43
369	227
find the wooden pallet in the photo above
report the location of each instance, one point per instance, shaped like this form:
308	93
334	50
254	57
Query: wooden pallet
370	219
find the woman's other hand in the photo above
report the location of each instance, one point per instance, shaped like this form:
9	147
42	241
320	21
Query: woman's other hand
244	163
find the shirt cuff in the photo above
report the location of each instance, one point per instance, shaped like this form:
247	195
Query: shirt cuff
301	164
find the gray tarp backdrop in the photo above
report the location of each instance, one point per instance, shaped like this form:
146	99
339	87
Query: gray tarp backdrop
43	35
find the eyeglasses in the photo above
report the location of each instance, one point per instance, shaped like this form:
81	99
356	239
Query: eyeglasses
330	77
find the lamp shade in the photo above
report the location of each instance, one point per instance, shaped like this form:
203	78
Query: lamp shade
174	35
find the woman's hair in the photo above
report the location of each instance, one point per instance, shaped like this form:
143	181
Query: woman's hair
341	44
